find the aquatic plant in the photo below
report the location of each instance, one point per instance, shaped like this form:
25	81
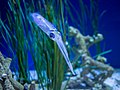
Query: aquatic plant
25	39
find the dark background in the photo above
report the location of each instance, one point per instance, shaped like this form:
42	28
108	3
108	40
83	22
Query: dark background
109	26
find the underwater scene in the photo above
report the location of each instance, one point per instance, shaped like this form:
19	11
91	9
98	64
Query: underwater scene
59	45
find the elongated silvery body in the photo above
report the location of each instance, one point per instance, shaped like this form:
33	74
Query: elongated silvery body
52	32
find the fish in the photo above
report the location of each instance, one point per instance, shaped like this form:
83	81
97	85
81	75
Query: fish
53	34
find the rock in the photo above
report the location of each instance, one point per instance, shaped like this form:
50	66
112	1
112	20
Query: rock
113	83
6	80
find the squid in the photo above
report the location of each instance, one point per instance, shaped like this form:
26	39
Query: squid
53	34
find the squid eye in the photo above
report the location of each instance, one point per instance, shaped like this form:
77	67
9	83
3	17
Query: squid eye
35	15
52	35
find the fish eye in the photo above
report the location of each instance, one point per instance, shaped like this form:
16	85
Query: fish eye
52	35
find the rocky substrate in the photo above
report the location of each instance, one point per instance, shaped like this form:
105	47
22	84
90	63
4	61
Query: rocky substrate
75	83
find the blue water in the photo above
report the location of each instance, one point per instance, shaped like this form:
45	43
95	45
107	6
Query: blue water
109	26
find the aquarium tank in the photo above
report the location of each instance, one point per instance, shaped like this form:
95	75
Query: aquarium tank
59	44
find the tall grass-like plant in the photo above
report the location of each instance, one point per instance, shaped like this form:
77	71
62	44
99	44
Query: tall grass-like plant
94	12
14	33
23	37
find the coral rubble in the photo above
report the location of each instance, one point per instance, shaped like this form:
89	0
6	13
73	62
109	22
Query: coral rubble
94	71
6	80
